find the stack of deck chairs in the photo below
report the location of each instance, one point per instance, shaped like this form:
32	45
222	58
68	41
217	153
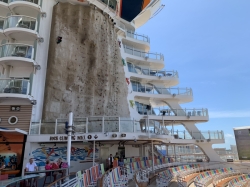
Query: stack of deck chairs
239	181
166	176
206	178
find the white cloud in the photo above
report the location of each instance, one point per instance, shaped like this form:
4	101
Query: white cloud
229	136
229	114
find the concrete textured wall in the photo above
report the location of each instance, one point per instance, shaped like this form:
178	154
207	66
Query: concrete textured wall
85	72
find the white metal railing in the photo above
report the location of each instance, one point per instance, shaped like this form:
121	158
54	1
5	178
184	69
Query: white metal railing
136	36
16	50
86	125
156	90
143	110
21	22
15	86
117	124
143	54
151	72
32	1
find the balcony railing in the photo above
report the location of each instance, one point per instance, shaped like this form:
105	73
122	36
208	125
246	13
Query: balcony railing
21	22
136	52
31	1
110	3
5	1
87	125
166	91
136	36
110	125
172	112
17	50
146	71
15	86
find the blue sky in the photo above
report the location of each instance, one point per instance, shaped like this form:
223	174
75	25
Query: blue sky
208	43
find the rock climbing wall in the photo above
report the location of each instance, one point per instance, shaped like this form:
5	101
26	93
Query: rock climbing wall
85	72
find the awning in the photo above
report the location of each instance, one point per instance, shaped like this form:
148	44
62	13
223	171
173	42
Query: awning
16	131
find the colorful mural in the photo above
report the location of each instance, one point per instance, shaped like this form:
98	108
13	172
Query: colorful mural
42	154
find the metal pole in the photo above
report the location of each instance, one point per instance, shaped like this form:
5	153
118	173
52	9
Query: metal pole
69	137
174	153
94	154
153	160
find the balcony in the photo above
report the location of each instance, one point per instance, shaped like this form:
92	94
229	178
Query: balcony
115	128
172	114
17	54
26	7
4	7
15	88
22	28
168	78
139	41
154	60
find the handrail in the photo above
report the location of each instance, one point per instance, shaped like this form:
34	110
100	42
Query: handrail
58	180
137	36
21	44
158	90
139	53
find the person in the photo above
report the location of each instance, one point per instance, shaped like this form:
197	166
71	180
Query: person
110	159
116	156
31	166
49	166
59	163
2	167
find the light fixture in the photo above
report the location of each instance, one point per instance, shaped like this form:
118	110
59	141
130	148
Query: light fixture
37	67
208	140
188	116
197	140
95	136
174	94
123	135
202	140
114	135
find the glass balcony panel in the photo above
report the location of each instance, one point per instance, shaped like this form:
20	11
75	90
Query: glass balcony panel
126	125
31	1
16	50
111	124
34	128
136	36
95	124
21	21
60	129
14	86
5	1
80	125
112	4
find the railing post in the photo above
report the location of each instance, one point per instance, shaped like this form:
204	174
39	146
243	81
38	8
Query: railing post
56	127
87	125
184	135
103	124
209	136
218	134
30	127
28	88
222	134
39	130
134	125
119	124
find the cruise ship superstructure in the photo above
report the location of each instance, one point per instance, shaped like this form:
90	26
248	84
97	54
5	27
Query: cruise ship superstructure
85	56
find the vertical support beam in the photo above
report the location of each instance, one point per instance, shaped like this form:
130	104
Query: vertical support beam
69	137
153	160
119	124
94	154
174	153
